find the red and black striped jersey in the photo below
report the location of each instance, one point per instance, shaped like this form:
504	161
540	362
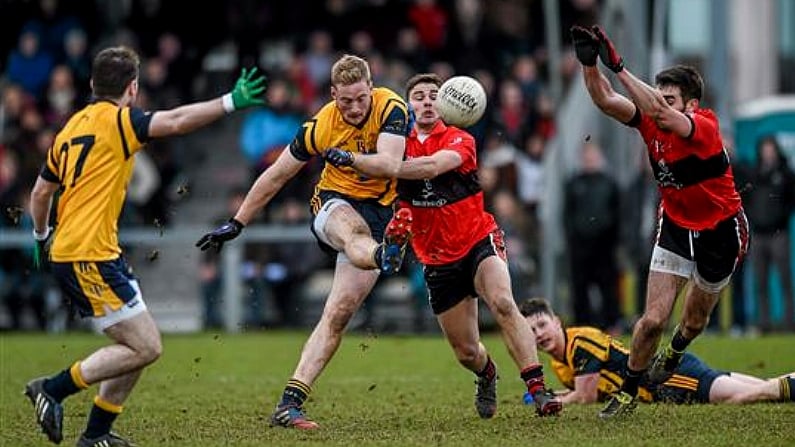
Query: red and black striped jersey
693	173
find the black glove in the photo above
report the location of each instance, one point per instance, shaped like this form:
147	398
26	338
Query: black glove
607	51
41	251
338	157
586	45
216	238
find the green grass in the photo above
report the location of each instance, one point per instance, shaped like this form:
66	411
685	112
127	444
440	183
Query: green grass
218	390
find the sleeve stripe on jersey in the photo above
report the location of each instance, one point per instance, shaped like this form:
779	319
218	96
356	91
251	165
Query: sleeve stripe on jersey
53	158
312	139
635	120
388	109
48	175
123	137
692	127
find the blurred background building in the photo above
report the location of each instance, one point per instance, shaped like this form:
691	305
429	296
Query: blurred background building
529	142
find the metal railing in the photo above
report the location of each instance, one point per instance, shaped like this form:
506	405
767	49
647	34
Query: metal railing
231	255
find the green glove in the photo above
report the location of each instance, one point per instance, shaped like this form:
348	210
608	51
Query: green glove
247	92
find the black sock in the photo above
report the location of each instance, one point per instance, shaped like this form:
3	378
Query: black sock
61	385
679	343
631	381
295	393
101	418
533	377
489	371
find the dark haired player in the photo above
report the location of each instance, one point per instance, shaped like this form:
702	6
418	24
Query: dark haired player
462	249
702	232
91	162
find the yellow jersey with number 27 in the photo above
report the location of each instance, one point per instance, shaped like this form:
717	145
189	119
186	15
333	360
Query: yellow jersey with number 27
92	159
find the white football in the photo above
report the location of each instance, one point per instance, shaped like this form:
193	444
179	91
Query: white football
461	101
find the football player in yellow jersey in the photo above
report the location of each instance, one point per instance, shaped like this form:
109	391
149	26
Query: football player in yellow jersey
589	362
361	135
91	162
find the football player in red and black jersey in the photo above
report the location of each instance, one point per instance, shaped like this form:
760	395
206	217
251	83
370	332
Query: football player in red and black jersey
702	232
462	249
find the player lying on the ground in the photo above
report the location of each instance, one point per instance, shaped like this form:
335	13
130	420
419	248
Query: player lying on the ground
589	362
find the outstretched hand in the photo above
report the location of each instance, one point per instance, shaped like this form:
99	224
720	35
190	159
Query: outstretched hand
248	89
216	238
586	45
607	51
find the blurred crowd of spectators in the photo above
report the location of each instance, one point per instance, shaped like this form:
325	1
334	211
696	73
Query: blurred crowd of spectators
48	46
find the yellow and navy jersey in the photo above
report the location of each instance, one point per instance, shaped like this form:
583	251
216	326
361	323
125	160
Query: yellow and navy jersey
388	114
92	159
589	351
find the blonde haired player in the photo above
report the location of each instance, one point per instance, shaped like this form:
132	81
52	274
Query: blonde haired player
91	162
361	135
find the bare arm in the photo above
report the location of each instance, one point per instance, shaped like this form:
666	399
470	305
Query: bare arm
386	162
246	93
651	102
608	100
430	166
184	119
585	390
268	184
40	203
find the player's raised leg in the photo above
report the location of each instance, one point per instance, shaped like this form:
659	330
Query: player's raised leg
396	238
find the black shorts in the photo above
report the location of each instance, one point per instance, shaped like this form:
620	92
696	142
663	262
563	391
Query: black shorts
712	254
449	284
376	215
